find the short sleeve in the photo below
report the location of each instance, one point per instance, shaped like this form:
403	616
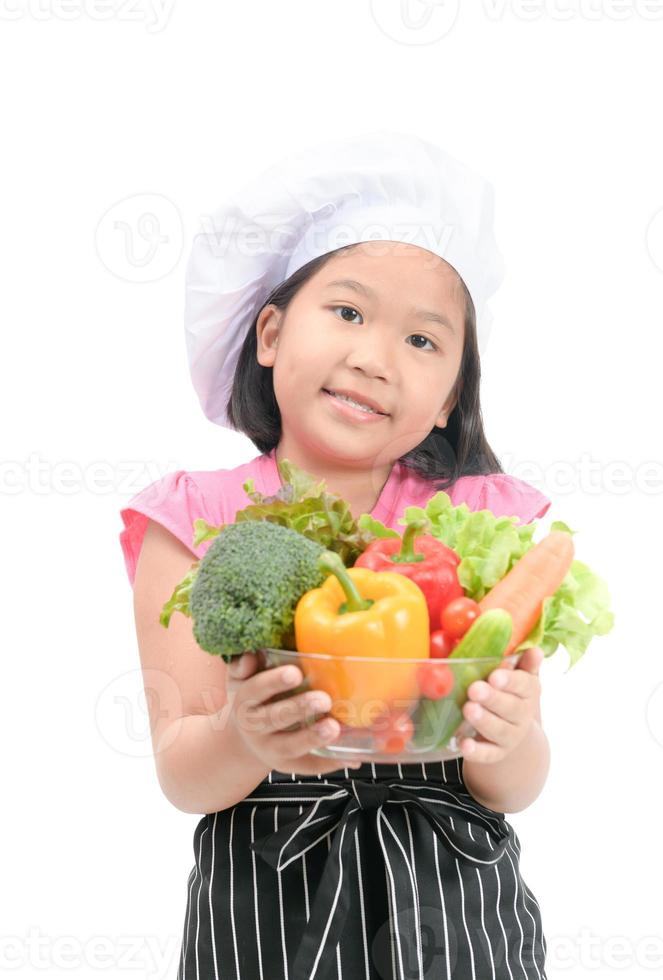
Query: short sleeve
507	496
174	501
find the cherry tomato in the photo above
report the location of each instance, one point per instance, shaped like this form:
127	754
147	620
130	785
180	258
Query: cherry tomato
395	732
459	615
435	680
441	644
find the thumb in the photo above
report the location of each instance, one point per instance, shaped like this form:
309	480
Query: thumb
531	660
242	667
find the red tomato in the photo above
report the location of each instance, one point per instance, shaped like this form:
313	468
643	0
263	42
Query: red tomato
397	731
441	644
459	615
435	679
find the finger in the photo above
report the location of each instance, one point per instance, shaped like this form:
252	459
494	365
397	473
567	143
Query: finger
243	666
268	683
238	670
518	682
506	705
531	660
292	745
489	725
479	751
298	709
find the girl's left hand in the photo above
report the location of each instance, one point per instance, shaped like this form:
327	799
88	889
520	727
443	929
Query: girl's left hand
502	708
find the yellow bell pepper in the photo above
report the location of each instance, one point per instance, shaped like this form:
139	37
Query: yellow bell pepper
361	613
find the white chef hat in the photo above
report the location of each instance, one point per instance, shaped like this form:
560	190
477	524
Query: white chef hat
383	185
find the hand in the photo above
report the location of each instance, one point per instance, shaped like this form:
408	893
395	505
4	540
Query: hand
502	708
261	724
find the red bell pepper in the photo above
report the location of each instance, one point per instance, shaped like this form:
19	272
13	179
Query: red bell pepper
432	565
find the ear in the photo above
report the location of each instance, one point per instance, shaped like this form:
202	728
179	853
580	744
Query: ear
268	326
446	411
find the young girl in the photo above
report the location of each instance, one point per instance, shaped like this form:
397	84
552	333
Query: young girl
359	362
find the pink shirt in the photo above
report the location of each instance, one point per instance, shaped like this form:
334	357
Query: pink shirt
178	498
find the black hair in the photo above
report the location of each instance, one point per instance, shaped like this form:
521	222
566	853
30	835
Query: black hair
459	449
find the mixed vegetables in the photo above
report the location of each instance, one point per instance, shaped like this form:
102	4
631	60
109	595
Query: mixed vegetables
296	571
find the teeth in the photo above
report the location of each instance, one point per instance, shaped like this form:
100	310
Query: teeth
351	401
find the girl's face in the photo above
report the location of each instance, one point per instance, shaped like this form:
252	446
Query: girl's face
393	335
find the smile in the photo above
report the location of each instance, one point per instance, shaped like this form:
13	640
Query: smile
353	409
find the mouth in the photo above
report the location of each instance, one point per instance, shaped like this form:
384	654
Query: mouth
356	400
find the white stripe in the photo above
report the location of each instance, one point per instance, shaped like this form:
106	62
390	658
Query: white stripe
325	833
338	944
192	879
528	894
232	894
454	802
462	912
414	869
255	893
415	894
497	909
361	906
392	944
522	934
483	925
200	846
335	902
308	910
209	893
283	948
307	822
394	905
472	857
444	911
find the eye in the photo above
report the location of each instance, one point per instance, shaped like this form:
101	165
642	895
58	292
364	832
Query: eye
350	308
423	338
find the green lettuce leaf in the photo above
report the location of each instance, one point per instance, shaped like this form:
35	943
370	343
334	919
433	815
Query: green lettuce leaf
489	547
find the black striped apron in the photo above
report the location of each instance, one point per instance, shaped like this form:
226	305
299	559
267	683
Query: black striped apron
387	872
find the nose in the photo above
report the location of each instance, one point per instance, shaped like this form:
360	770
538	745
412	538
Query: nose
371	356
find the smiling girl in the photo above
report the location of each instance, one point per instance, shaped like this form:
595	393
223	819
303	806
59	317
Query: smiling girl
360	364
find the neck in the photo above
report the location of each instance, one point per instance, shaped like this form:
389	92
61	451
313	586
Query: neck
359	484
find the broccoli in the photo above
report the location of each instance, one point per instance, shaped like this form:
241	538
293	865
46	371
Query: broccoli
248	584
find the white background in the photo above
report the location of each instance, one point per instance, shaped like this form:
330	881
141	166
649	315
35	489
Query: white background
122	110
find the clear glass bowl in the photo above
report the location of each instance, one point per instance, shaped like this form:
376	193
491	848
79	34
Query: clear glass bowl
379	704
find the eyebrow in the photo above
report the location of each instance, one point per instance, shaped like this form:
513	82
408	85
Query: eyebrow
359	287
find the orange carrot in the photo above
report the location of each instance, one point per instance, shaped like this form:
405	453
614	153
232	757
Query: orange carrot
534	577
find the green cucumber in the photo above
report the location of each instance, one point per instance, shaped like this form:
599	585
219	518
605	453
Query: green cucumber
487	639
435	722
488	636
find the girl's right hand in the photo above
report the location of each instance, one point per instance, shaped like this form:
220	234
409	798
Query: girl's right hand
262	725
